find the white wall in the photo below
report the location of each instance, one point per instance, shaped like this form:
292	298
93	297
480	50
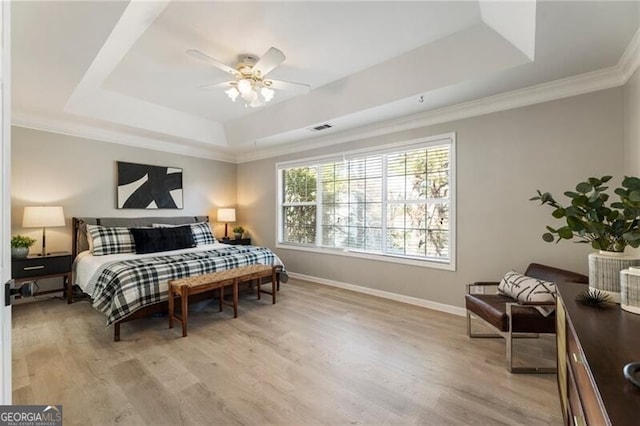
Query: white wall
502	159
80	175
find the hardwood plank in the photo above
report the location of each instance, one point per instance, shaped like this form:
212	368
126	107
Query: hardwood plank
149	397
321	355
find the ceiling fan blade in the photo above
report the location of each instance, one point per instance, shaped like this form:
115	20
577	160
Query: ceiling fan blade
226	84
269	61
288	85
206	58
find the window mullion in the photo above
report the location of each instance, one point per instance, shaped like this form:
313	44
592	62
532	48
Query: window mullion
384	204
404	210
280	212
318	206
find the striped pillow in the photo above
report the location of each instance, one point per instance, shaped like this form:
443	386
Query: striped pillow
106	240
202	234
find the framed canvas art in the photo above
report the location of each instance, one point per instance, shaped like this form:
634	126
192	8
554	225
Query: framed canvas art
141	186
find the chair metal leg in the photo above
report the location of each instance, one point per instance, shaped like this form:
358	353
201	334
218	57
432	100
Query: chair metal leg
521	370
508	336
470	332
473	335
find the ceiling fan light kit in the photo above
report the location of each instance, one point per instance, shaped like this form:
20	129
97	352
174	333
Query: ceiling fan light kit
249	83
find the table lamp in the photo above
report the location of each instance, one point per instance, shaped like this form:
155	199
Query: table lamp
226	216
42	217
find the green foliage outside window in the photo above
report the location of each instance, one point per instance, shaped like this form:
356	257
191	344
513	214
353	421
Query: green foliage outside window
411	218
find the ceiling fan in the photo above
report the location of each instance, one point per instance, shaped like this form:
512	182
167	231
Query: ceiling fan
249	77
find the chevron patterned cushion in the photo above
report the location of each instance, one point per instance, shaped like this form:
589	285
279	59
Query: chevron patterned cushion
527	289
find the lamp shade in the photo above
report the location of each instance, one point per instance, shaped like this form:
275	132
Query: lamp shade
42	216
226	215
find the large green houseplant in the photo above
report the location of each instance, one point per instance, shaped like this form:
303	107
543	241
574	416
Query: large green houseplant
590	219
607	226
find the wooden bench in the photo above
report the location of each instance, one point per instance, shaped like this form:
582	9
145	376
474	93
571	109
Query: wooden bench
184	287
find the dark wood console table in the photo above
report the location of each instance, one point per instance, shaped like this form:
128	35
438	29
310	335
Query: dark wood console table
593	347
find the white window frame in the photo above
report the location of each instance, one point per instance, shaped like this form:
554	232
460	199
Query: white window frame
447	138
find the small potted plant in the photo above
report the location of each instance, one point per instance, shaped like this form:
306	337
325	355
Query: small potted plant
20	246
238	231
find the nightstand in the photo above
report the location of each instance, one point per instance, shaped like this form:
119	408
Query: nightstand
33	268
240	242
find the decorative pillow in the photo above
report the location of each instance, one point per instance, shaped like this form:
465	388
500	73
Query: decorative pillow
89	240
152	240
105	240
528	289
202	234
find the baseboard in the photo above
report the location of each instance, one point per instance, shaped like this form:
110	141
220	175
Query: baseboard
455	310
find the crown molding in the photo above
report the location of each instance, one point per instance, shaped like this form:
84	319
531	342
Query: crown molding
602	79
630	60
558	89
111	136
593	81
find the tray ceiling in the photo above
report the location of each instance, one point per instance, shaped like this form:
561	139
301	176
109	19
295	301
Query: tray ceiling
118	71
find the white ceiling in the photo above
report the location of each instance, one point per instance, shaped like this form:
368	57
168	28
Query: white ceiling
118	71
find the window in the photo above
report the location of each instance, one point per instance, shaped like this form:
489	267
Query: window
395	202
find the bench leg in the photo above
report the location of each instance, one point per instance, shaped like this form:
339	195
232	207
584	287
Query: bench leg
235	298
171	305
116	332
221	297
273	285
184	293
259	280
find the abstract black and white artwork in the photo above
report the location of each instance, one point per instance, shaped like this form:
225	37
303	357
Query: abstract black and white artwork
142	186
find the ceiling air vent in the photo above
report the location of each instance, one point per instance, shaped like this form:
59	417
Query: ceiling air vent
321	127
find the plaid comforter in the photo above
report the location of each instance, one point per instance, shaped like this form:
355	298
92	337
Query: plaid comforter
123	287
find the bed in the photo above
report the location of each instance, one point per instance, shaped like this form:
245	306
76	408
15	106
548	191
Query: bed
125	285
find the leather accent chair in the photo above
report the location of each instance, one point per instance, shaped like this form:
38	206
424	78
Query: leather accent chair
511	319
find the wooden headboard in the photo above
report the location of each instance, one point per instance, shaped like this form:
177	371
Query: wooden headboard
80	243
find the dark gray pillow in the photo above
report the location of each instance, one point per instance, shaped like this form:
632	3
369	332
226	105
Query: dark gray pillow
152	240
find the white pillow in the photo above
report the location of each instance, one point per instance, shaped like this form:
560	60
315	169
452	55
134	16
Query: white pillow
528	289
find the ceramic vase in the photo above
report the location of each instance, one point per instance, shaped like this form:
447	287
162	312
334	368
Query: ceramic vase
604	271
19	252
630	290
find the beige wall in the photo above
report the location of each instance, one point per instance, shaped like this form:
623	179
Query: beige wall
502	159
632	130
80	175
632	125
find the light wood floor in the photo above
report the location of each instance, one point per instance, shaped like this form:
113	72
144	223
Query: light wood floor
321	355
